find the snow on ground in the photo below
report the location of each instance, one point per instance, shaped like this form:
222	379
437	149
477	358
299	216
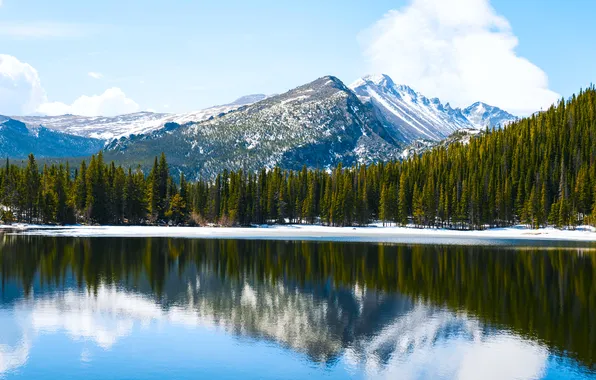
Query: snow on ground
373	233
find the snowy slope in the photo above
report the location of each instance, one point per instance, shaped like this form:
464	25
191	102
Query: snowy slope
407	115
482	115
108	128
100	127
411	116
318	125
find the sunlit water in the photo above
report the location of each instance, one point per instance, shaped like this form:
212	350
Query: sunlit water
175	308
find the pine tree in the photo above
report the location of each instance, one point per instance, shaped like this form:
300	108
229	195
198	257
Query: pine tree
175	212
153	189
30	190
80	192
384	205
418	206
308	207
403	200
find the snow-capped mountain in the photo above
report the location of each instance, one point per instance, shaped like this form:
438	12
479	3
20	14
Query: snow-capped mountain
408	115
17	141
109	128
411	116
482	115
100	127
318	124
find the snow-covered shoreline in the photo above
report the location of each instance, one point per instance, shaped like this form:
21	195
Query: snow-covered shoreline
374	233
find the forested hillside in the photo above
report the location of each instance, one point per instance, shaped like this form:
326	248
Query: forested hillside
539	170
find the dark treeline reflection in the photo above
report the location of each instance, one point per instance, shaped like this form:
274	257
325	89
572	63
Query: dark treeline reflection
544	294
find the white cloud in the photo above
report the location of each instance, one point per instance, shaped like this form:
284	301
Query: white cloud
420	347
112	102
21	93
459	50
20	88
95	75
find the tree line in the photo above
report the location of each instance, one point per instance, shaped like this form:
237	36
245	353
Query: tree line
538	171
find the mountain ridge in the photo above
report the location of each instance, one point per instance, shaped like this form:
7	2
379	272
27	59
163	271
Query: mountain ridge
411	116
318	124
143	122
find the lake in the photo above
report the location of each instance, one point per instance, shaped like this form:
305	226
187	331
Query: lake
155	308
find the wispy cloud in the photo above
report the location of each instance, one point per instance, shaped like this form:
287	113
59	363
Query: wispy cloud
47	29
95	75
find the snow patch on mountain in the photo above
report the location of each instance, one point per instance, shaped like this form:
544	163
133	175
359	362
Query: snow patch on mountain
482	115
411	116
318	125
110	128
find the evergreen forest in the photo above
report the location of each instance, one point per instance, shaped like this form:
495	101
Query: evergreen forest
537	171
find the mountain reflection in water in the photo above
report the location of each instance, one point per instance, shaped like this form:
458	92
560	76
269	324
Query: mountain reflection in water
343	309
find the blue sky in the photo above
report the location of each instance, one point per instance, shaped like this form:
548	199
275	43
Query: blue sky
177	56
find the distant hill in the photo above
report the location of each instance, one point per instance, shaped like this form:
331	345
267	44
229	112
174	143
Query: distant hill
108	128
17	141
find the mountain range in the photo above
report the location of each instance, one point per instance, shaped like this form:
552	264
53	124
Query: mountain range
109	128
318	124
409	116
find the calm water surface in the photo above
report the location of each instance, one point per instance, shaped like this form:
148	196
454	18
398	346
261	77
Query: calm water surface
159	308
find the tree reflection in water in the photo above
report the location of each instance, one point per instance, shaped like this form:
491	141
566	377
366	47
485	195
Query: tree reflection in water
324	299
